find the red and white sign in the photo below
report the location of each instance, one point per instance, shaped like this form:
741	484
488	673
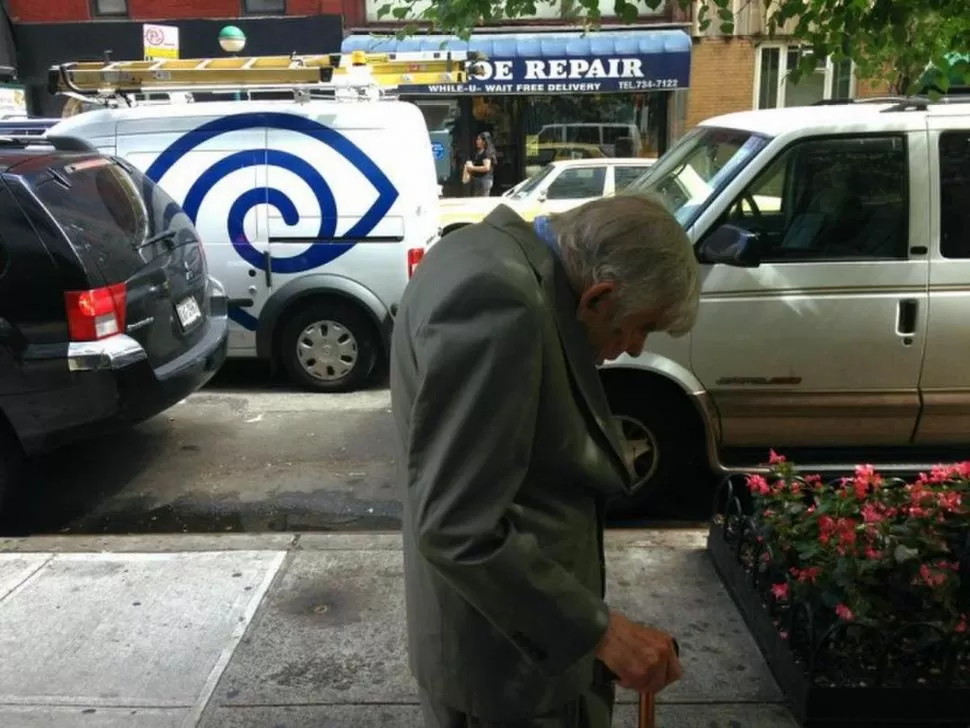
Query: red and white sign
160	41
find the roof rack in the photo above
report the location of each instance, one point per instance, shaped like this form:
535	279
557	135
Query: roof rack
309	73
923	103
60	143
867	100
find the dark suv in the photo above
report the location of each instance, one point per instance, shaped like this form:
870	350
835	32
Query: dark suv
107	312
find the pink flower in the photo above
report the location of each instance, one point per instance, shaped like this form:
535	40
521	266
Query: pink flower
872	513
844	613
774	458
757	484
783	634
962	625
949	501
779	591
872	554
931	577
809	574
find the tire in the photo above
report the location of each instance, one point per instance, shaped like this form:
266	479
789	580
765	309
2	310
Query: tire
11	464
675	480
328	346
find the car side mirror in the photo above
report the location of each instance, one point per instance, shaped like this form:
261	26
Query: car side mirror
542	196
731	245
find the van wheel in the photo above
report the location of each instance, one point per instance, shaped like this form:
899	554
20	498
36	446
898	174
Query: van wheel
666	443
328	346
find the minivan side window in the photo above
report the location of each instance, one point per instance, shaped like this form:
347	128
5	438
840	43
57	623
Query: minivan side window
577	183
955	194
832	198
623	176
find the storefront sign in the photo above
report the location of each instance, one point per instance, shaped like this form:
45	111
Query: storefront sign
654	72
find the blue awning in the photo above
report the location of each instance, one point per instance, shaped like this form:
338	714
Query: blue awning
560	62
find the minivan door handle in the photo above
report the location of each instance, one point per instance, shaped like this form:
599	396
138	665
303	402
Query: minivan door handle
267	268
906	311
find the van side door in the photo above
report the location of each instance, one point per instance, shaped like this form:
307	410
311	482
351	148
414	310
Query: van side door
945	381
822	343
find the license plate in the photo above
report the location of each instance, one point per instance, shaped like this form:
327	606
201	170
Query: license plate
188	312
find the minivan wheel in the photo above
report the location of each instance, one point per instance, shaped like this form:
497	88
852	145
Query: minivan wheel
665	442
328	347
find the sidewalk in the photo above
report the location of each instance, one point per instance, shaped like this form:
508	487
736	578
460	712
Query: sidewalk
293	631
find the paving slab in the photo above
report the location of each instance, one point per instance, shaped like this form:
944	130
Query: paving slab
678	590
15	569
132	630
398	716
48	717
332	630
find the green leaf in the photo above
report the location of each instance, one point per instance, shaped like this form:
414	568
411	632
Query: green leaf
904	553
727	28
400	12
384	10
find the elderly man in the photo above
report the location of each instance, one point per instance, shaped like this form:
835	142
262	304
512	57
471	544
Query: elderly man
508	455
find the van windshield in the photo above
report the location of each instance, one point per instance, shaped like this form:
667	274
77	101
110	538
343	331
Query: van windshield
695	170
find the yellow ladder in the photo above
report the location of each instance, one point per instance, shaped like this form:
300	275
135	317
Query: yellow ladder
386	70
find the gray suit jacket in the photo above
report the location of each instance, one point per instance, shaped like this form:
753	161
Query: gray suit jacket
508	453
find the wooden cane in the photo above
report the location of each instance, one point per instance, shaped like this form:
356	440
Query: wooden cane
648	716
647	703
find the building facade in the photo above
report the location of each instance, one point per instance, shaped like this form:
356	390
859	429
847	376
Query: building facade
548	91
49	32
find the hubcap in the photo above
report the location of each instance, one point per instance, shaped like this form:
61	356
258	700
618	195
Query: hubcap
327	350
640	447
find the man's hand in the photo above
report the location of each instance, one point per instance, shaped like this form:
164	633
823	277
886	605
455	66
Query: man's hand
642	658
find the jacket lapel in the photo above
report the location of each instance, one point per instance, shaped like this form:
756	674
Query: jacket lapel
579	357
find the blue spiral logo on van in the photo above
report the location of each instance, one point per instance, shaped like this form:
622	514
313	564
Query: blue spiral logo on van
315	255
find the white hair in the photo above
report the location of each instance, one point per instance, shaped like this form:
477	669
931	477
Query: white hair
633	241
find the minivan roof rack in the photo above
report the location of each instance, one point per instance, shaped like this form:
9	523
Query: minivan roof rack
306	73
60	143
867	100
923	103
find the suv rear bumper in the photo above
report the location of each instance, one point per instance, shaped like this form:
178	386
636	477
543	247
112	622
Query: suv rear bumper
112	382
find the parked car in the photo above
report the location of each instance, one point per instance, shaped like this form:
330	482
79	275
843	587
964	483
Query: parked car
835	258
107	313
556	187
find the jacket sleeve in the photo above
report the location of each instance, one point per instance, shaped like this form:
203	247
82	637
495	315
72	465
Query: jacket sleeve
479	357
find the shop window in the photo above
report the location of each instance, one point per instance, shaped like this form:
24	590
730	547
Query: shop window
578	183
775	89
623	177
843	198
264	7
109	8
955	194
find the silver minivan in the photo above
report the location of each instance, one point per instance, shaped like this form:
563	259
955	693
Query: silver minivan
835	251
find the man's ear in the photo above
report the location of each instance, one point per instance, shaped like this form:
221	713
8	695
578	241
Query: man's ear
597	300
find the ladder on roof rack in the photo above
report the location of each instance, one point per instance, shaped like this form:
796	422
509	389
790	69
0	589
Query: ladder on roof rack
331	70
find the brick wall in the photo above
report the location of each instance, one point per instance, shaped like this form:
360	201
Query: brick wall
721	78
59	11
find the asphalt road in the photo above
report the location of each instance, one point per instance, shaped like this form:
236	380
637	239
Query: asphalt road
244	454
247	453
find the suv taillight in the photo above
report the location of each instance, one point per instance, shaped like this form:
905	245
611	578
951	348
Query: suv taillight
96	314
414	257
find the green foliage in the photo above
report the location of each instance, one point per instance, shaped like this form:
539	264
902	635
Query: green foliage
889	40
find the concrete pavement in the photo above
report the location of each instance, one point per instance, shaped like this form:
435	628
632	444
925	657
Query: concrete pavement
289	630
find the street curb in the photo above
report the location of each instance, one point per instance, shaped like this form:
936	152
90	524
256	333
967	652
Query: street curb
616	540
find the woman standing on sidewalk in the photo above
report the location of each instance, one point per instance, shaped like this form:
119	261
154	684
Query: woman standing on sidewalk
481	168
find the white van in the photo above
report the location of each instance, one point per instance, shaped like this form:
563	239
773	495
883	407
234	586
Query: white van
312	214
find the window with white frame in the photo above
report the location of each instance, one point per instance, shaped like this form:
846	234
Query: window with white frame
774	87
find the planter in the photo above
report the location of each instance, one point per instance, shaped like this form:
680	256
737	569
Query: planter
839	673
